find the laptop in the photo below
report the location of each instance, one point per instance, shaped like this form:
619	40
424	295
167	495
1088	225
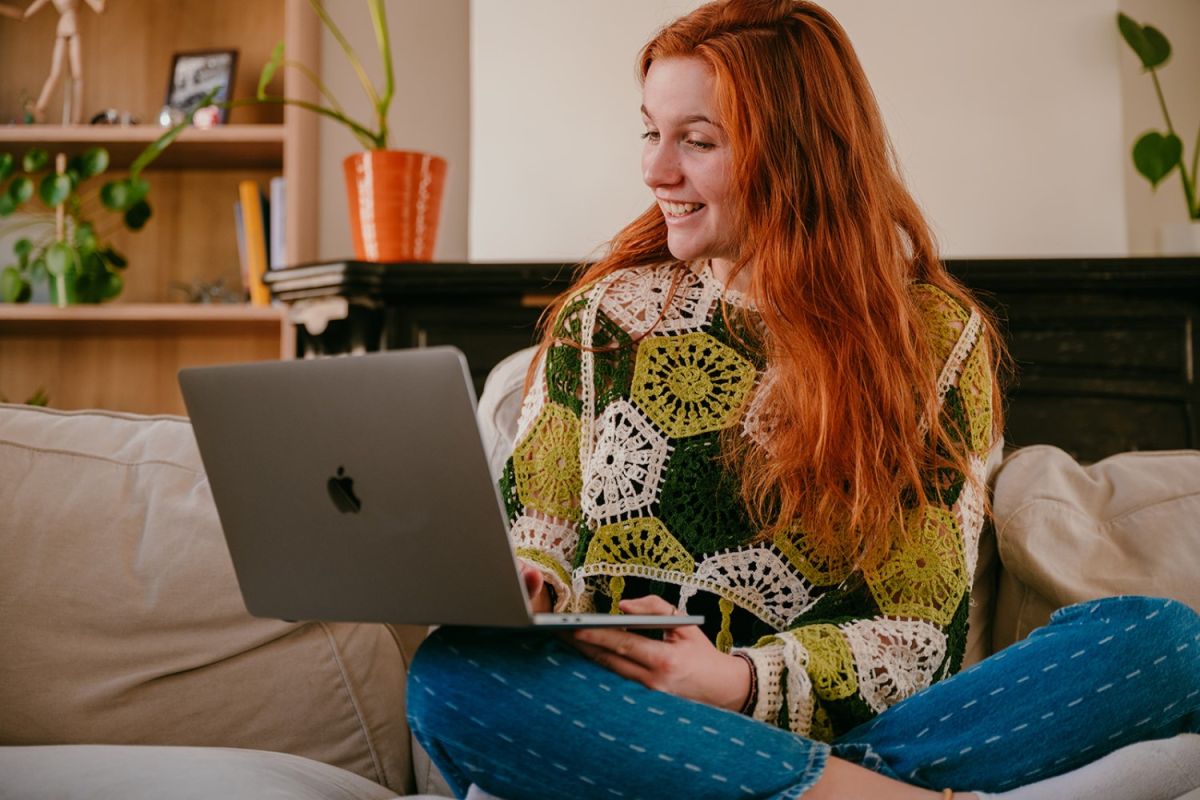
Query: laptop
356	488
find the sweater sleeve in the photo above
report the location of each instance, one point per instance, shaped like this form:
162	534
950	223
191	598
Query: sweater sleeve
843	666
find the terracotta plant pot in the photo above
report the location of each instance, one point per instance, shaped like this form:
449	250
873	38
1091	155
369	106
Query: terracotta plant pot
395	201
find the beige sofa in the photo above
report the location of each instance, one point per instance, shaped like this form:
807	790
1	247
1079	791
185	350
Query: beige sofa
130	669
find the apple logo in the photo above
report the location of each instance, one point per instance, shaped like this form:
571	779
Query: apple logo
341	491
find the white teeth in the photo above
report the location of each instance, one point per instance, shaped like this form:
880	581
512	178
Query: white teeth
679	209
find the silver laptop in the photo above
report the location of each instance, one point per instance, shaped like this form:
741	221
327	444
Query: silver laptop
356	488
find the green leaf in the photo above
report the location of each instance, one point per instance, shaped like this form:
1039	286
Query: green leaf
35	160
114	284
138	215
1149	43
7	162
23	248
92	284
85	238
60	258
13	286
39	398
20	190
1155	155
114	259
269	69
93	161
138	189
38	271
114	195
7	204
54	189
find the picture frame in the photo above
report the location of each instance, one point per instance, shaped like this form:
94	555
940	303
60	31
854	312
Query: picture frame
195	73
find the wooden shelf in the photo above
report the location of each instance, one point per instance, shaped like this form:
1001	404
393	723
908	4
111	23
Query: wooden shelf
126	356
149	319
226	146
118	313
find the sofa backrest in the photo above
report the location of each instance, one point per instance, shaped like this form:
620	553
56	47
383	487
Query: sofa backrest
121	620
1068	533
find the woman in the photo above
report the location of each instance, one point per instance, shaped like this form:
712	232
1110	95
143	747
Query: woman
769	404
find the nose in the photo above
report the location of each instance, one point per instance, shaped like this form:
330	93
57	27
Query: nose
660	165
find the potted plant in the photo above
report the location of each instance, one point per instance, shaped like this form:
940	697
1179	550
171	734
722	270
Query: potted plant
395	196
1157	154
67	249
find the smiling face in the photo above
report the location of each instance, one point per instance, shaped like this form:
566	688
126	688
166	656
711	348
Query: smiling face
686	160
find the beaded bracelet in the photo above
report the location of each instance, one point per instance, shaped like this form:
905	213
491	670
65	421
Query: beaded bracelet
752	697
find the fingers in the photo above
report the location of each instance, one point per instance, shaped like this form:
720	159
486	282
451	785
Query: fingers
653	604
613	661
650	604
535	587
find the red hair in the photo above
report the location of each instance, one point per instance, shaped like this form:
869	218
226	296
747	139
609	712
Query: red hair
833	241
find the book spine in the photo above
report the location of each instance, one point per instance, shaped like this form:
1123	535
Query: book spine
240	227
278	217
256	241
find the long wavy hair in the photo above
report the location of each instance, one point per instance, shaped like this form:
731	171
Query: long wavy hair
833	242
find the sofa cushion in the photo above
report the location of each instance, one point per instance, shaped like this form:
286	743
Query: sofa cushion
131	772
1066	533
122	621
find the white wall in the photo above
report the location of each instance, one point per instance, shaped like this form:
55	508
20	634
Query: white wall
1013	119
1006	116
555	146
430	111
1179	20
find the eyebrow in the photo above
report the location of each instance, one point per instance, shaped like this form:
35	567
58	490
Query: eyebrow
686	120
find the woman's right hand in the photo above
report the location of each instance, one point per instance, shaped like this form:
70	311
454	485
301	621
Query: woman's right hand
535	588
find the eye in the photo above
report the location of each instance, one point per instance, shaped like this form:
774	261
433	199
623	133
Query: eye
699	144
650	136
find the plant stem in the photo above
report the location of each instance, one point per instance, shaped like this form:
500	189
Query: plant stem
319	7
1189	188
369	138
316	81
1162	103
30	221
1194	208
60	213
379	21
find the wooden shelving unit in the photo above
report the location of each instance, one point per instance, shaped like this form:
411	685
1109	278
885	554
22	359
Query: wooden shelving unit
232	146
125	355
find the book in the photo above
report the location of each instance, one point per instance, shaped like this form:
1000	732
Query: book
254	221
240	227
278	215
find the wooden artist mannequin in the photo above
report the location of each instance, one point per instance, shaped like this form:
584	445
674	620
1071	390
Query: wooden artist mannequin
66	49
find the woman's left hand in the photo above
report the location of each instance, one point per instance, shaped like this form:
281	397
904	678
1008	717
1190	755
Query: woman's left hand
685	663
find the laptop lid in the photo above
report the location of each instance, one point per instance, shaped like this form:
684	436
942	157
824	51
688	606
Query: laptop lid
356	488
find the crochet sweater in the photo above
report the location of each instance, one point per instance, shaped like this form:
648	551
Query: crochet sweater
614	490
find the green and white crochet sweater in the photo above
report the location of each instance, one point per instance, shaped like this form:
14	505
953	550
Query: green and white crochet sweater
613	490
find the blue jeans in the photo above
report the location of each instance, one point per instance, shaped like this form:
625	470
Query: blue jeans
523	715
